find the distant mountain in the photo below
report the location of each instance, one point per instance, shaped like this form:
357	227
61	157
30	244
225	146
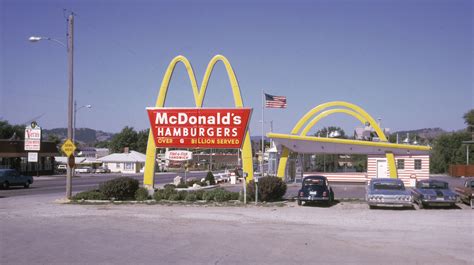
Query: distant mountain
426	133
83	135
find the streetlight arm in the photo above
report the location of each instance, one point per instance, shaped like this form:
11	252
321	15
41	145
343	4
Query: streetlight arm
37	38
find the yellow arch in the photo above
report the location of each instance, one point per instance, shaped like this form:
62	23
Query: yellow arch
199	94
326	113
360	114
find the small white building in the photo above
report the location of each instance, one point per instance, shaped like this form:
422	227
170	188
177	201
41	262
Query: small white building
409	167
127	162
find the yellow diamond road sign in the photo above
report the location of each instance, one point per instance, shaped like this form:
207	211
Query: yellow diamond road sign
68	147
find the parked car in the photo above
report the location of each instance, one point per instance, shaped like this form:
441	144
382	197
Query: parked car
466	193
102	170
315	189
83	170
388	192
11	177
61	169
431	192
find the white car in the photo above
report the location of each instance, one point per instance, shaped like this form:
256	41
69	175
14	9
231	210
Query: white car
83	170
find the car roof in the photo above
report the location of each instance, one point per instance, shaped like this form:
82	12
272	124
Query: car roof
432	181
315	177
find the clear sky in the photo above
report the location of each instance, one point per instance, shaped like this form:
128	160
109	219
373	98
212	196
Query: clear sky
409	63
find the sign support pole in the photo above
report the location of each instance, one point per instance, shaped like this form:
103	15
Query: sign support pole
70	53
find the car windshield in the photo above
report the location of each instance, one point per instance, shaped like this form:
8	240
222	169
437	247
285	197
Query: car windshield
313	182
433	185
388	186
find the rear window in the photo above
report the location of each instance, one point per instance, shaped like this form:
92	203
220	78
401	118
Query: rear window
314	182
433	185
388	186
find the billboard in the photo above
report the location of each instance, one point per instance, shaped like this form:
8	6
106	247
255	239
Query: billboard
199	127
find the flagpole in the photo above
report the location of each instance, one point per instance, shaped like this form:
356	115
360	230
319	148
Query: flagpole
263	122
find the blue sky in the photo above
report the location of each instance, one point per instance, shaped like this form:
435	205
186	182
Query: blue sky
409	63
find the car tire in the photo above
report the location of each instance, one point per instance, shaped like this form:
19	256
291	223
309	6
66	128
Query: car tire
371	207
27	185
299	202
5	185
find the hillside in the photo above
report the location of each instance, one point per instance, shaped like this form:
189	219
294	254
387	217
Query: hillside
83	135
426	133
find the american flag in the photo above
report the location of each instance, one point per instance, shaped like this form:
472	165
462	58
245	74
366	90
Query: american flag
275	101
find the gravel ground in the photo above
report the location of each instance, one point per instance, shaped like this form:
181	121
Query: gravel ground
38	230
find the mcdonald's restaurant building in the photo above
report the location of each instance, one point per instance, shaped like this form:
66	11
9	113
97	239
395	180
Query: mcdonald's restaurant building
14	156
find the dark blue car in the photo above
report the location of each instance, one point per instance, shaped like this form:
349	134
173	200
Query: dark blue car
431	192
315	189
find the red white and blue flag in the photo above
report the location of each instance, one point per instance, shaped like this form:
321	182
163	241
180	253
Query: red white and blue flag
275	101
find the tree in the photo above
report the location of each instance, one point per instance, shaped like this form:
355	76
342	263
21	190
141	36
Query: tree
7	130
326	132
469	118
142	140
448	150
128	137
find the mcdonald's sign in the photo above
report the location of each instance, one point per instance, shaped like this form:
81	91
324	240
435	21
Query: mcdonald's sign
199	128
199	93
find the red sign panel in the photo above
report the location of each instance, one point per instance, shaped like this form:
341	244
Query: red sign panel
198	127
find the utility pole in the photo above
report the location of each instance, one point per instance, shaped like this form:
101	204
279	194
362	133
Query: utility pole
70	56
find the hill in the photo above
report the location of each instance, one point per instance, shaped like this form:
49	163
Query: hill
83	135
426	133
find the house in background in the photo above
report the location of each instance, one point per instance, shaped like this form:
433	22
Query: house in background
126	162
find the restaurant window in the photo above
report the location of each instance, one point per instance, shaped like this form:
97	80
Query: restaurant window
417	164
400	163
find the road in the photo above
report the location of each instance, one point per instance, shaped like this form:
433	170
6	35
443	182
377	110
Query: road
57	184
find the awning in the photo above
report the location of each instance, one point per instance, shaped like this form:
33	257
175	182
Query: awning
313	144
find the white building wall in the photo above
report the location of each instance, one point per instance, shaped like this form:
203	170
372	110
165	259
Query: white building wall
408	174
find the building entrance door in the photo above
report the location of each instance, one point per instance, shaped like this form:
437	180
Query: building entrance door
381	168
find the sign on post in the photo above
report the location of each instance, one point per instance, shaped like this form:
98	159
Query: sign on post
199	127
33	157
33	137
179	155
68	147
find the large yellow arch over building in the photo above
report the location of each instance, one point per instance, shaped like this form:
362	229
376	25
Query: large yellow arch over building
300	134
199	94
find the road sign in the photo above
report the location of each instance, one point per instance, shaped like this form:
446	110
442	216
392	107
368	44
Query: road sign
32	157
68	147
71	161
33	138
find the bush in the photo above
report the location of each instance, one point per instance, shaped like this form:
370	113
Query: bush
221	195
191	197
171	186
120	188
269	189
174	197
234	196
210	178
182	186
89	195
182	194
141	194
202	184
158	195
199	194
208	195
191	182
167	192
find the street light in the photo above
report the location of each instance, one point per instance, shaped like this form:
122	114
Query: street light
76	109
70	56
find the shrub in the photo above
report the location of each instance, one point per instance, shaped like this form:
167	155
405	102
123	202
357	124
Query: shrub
169	186
141	194
191	197
202	184
221	195
210	178
199	194
89	195
158	195
182	186
174	197
191	182
234	195
208	195
269	189
182	194
167	192
122	188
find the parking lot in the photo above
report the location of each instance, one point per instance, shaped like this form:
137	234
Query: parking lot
48	232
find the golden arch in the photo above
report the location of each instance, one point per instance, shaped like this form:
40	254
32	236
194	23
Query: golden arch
352	110
199	93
